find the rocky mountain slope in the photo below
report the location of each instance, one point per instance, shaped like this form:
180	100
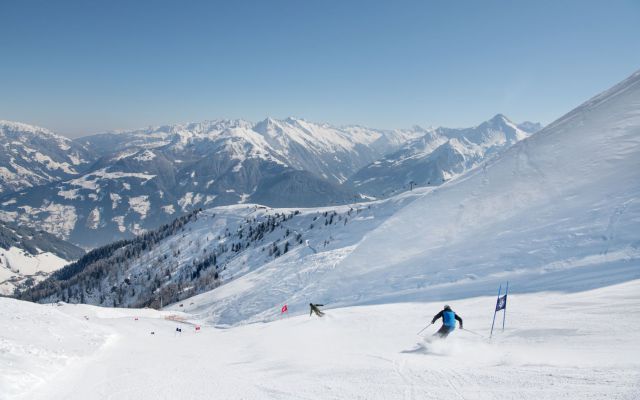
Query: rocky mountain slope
32	156
330	152
438	156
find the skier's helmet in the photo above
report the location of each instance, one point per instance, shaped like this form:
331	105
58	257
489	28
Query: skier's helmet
446	307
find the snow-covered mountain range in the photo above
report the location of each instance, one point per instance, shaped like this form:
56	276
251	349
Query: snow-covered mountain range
559	210
438	156
332	153
32	156
138	180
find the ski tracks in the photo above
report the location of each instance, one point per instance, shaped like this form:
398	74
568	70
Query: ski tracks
427	383
408	380
454	381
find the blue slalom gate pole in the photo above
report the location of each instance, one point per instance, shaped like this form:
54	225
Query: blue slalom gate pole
494	312
504	312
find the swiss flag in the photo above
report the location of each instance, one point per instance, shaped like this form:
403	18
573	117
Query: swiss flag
284	309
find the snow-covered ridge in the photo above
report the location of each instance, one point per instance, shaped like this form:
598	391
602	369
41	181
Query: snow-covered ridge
325	150
30	156
89	181
439	155
22	127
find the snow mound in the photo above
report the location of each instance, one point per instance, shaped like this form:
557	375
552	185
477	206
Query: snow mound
38	342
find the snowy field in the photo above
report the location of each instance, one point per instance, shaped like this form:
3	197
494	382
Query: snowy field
556	345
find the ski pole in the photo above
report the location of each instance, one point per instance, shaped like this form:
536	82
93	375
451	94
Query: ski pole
424	328
475	333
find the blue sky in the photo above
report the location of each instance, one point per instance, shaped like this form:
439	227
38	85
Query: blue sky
87	66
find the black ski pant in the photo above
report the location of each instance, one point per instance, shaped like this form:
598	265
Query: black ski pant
444	331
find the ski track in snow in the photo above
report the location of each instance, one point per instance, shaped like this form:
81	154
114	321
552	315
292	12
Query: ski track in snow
556	345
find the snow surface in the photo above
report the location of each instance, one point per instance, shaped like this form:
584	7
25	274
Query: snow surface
16	265
51	164
58	219
120	221
31	156
555	345
91	180
170	209
115	200
146	155
93	221
140	204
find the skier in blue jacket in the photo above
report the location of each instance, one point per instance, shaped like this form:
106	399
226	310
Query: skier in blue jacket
449	318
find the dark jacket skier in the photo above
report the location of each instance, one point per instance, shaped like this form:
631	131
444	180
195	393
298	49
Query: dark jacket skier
313	308
449	318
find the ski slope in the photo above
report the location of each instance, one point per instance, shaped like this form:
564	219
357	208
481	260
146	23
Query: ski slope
556	345
559	210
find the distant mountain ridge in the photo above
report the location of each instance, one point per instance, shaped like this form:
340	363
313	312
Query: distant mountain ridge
31	156
329	152
133	181
439	155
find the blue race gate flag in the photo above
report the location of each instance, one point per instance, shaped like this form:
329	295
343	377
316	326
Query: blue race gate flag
501	304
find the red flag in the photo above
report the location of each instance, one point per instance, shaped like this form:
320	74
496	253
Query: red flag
284	309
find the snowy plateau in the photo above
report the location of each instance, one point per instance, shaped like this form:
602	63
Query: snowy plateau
557	215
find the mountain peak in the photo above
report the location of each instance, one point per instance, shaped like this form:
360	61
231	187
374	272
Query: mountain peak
501	119
268	126
292	120
501	123
530	127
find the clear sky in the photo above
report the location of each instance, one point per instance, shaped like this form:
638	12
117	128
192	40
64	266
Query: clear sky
81	67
